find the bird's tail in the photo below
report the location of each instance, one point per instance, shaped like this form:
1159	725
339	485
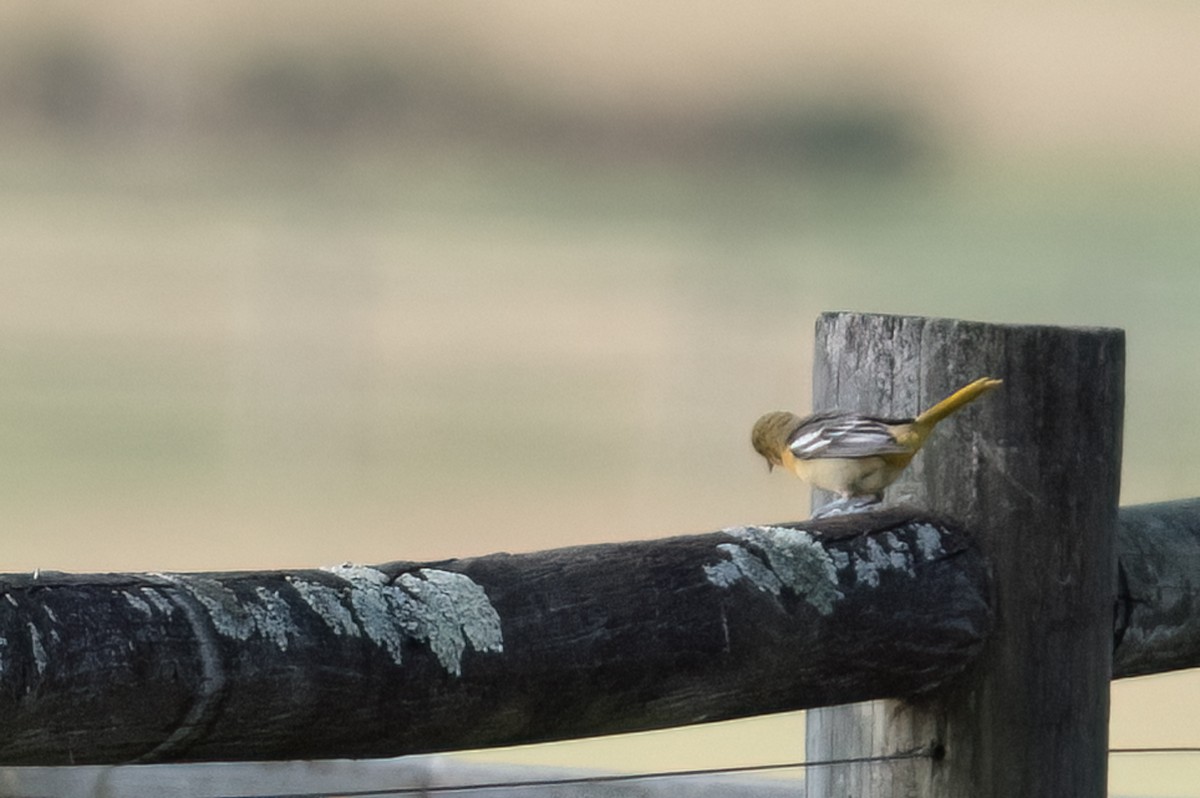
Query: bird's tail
964	395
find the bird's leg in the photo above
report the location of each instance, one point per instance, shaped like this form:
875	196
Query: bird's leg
860	504
838	506
848	504
829	509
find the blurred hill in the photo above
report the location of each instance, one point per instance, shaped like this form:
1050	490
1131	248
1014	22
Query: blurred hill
815	81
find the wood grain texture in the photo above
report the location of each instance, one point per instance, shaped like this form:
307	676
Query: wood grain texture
1158	588
1033	471
357	661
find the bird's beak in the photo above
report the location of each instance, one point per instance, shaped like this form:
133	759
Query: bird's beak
770	466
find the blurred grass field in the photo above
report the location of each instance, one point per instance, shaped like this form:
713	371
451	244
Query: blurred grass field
533	351
281	288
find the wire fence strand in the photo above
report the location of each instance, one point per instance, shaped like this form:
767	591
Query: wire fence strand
608	778
924	752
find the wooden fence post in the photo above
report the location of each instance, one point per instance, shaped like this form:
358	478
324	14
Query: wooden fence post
1033	470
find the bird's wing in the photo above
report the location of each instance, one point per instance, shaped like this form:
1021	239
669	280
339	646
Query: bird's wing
844	435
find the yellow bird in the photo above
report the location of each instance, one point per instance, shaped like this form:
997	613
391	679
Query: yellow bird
851	454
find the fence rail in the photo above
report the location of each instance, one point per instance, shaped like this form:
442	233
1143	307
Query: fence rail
1158	588
588	640
498	650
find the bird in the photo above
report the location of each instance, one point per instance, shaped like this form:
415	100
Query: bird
853	454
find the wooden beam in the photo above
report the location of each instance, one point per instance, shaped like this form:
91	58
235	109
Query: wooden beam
1158	588
1033	470
357	661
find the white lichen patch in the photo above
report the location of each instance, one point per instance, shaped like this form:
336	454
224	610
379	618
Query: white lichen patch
40	660
326	602
773	558
450	611
898	548
445	610
272	617
266	615
886	552
794	559
876	559
376	607
929	542
743	565
156	599
726	573
358	574
138	603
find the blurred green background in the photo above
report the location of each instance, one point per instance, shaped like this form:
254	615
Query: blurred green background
287	285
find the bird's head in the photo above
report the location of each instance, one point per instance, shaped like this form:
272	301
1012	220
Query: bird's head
770	433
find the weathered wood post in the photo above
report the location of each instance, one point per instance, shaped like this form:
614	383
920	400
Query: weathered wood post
1033	471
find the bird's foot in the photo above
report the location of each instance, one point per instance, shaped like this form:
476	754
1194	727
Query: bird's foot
846	505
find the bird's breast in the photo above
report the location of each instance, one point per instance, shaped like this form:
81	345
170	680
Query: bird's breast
859	476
